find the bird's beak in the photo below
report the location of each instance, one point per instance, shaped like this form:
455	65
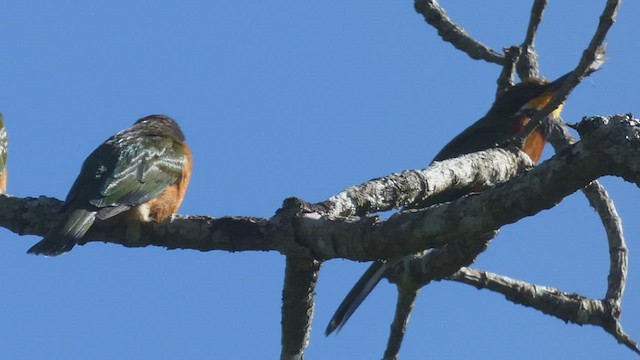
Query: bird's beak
539	102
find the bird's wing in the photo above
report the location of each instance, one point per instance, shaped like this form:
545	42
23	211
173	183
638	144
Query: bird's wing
482	135
120	175
3	145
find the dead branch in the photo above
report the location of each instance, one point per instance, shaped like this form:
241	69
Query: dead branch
450	32
569	307
610	146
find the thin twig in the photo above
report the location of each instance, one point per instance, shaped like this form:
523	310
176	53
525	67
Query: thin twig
415	272
451	32
406	299
534	21
527	67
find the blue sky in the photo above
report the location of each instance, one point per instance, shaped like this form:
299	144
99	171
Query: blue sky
278	99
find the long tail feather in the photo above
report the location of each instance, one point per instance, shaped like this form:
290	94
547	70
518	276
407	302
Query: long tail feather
358	293
65	235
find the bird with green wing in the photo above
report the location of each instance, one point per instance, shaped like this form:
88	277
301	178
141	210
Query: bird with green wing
141	173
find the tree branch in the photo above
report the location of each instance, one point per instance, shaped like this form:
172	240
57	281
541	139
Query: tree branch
450	32
298	300
415	186
534	21
406	298
599	199
419	270
528	64
610	146
569	307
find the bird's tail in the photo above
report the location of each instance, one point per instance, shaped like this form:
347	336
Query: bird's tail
65	234
358	293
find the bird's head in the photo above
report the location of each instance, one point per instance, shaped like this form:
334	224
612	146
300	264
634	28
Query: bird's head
532	94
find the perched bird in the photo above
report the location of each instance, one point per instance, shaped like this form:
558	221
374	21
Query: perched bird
508	115
3	156
141	172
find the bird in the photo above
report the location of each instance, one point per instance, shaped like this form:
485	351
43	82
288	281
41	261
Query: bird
510	112
141	173
3	156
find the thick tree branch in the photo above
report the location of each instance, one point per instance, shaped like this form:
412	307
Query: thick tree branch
611	147
415	186
450	32
296	303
